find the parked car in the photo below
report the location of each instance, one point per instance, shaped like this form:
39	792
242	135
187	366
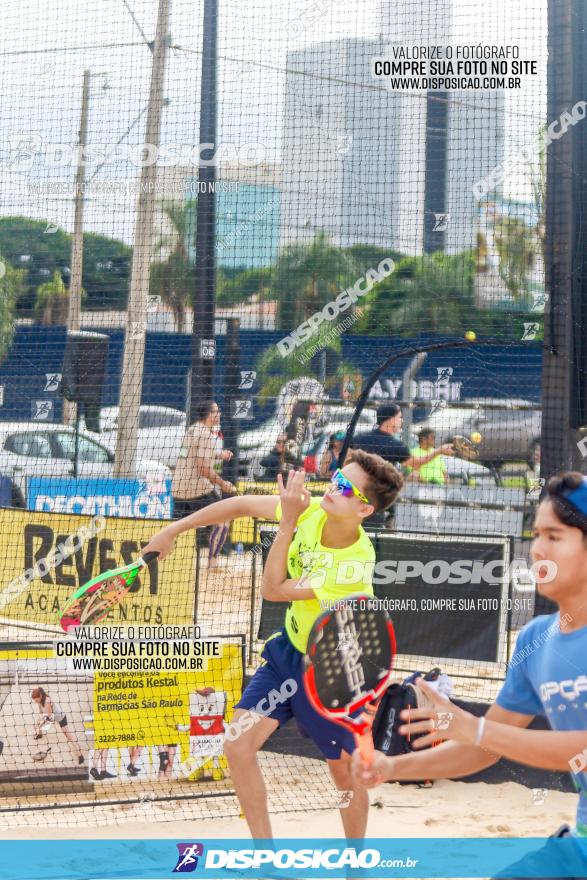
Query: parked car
33	449
160	433
507	433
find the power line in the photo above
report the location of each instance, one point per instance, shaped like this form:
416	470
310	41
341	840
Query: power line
139	28
69	49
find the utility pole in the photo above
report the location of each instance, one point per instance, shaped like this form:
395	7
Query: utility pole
136	324
75	285
204	297
77	242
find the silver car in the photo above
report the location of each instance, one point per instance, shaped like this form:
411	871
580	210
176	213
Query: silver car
509	429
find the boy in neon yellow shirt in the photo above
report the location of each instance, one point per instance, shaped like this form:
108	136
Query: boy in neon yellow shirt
433	470
320	555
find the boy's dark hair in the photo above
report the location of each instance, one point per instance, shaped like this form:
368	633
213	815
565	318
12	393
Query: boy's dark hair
425	432
385	481
556	490
203	410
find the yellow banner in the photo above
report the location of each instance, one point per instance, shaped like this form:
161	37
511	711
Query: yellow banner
47	556
147	708
61	719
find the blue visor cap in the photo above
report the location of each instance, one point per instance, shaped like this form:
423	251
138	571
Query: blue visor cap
578	497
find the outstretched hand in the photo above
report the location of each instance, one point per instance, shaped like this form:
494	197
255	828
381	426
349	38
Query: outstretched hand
295	498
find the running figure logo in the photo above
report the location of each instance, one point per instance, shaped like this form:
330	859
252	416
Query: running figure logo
187	861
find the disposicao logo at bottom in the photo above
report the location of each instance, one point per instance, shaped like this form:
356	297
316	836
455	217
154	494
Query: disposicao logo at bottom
187	859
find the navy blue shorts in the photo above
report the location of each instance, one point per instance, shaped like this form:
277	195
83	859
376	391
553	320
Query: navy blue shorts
282	662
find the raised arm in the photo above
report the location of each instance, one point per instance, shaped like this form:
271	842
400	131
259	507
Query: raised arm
261	506
276	585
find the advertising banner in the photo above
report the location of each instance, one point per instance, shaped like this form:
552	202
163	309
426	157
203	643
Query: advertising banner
54	554
101	497
64	720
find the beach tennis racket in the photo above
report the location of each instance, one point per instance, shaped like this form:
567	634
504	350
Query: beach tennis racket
93	601
350	654
41	755
464	447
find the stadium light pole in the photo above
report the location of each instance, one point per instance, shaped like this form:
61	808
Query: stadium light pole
136	321
204	294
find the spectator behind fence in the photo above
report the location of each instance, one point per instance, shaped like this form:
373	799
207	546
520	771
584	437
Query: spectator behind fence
329	461
195	481
280	460
434	470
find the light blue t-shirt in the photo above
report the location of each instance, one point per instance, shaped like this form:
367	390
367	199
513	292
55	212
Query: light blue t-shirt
548	676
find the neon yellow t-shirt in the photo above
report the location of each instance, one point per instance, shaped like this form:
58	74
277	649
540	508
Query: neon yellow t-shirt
434	471
332	572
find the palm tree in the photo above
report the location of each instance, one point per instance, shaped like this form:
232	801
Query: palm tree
173	277
517	245
307	276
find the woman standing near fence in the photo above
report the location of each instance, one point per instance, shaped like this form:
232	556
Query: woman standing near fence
51	711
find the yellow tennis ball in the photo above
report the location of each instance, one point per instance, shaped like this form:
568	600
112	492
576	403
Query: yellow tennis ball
470	335
476	437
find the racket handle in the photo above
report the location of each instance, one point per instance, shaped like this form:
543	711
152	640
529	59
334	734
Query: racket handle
365	746
364	740
150	556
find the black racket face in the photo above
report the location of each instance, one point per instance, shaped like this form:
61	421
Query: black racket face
351	650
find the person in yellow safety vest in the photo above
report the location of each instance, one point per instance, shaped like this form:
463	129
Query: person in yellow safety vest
434	470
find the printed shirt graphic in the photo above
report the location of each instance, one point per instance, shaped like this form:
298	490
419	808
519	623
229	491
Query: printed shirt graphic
322	565
548	676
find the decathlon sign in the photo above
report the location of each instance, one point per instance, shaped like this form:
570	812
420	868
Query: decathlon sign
100	497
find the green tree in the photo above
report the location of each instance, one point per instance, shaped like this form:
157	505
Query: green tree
368	256
429	294
173	278
307	276
12	284
244	285
52	302
106	272
26	244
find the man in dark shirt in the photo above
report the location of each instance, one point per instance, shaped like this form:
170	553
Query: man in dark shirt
10	494
382	442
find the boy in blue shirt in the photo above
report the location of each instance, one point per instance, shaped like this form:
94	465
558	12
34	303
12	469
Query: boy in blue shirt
547	675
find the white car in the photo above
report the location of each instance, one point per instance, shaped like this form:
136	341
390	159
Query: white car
160	433
30	449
